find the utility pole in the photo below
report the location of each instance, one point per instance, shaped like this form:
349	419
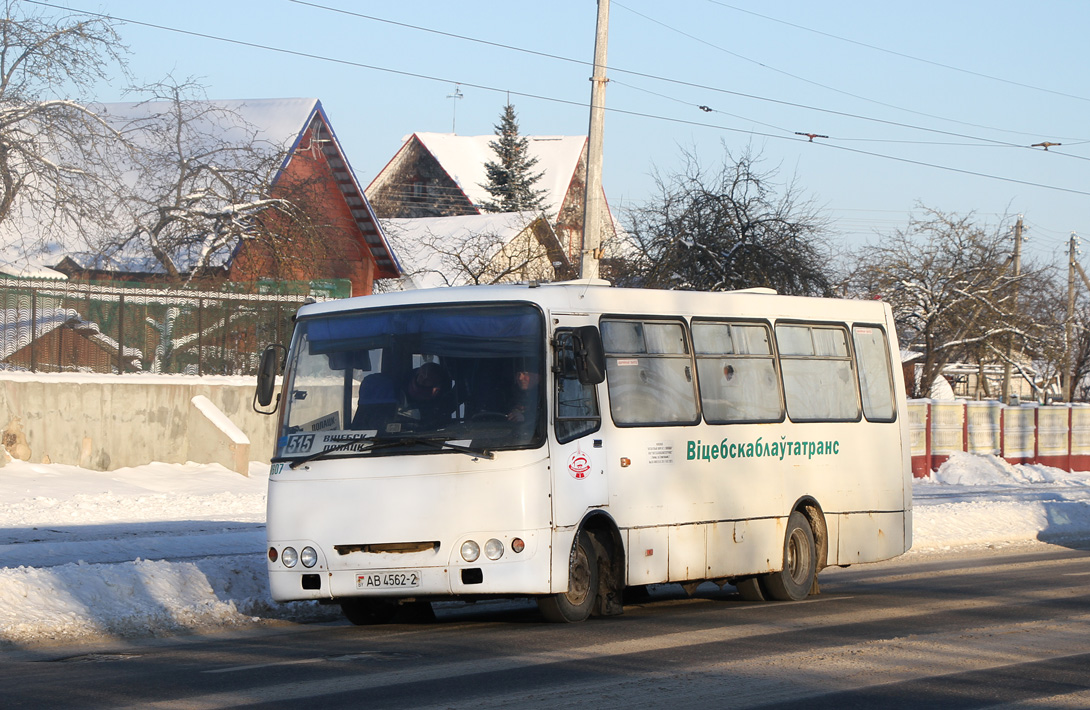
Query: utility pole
1017	258
1073	267
1069	323
592	202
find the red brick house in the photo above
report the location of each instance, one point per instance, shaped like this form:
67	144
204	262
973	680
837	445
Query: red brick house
353	245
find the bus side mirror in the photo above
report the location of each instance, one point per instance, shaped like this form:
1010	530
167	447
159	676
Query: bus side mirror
267	370
590	357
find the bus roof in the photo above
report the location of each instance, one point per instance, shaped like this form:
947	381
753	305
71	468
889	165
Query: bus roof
598	296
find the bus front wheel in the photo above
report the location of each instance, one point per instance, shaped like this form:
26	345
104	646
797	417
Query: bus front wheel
577	603
794	581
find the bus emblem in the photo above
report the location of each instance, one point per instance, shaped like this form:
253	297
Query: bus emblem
578	464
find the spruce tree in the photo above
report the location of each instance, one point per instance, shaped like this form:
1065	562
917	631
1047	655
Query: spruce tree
510	177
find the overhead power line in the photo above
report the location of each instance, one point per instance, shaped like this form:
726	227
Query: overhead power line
679	82
582	104
902	54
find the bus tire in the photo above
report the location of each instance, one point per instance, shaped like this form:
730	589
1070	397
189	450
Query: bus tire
363	611
749	588
796	579
577	603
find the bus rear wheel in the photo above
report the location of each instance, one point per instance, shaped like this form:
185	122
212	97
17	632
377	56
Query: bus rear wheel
794	581
575	604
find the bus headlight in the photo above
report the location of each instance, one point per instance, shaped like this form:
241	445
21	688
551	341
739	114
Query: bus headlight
493	549
308	557
470	551
289	557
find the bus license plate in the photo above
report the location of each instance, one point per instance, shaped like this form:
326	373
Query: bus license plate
388	579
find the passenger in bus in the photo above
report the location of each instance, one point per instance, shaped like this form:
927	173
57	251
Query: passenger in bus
422	399
524	395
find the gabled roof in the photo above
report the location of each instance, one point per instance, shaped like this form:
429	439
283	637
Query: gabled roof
424	267
18	331
281	124
464	157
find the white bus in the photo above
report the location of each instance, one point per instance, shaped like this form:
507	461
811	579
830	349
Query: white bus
568	441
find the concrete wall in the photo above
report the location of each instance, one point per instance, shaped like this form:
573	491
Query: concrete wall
105	422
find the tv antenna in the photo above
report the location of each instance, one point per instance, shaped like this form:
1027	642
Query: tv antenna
456	95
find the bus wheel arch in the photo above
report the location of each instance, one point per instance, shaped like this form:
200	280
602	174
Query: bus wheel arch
593	591
819	527
606	538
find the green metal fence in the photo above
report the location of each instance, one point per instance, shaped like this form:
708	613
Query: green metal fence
49	325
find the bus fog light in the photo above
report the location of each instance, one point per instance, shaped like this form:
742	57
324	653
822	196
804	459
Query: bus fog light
517	545
308	557
493	549
470	551
273	554
289	557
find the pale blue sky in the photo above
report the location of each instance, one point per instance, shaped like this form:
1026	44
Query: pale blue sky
870	75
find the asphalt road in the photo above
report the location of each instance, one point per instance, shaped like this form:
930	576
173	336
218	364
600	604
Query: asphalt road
1003	628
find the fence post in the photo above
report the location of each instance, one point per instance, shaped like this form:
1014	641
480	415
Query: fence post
33	330
200	336
919	431
121	333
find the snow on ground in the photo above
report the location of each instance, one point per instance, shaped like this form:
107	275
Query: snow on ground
165	548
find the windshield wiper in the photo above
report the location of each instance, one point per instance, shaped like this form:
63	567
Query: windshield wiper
443	444
435	442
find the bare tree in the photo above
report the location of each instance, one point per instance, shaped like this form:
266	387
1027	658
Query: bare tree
1047	305
198	180
477	257
55	152
730	228
952	290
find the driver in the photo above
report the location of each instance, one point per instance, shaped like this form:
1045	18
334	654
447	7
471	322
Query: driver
422	398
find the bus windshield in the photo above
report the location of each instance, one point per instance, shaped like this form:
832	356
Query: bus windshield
397	381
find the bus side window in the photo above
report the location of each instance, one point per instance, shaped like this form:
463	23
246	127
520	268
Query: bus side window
649	372
576	404
737	373
818	382
875	376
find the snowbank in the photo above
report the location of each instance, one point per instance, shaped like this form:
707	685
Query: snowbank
983	500
164	548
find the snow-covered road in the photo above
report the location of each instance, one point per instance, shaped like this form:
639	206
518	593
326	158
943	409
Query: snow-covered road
162	548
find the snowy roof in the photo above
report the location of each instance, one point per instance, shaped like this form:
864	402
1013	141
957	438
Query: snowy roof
277	122
276	125
25	266
464	157
13	339
16	332
414	241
